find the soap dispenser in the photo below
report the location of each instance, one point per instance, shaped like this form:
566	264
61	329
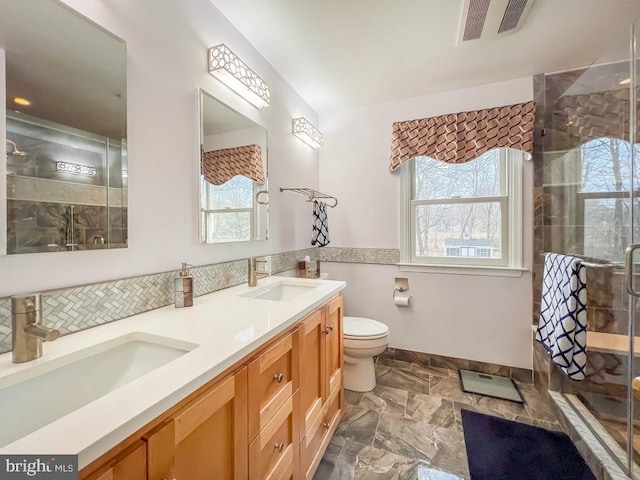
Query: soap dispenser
183	289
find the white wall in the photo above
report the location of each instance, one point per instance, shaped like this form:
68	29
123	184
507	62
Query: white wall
167	45
476	317
235	138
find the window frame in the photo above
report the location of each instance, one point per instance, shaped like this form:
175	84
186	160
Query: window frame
512	214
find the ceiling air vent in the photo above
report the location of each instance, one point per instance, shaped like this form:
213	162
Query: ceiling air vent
486	19
476	15
512	15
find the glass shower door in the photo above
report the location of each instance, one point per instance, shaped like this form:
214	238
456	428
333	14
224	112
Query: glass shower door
632	261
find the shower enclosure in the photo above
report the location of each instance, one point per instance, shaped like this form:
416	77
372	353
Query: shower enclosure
66	188
587	192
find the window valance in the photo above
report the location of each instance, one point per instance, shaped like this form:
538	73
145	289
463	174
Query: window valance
220	166
460	137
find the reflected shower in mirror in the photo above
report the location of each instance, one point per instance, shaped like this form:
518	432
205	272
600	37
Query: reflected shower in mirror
66	129
233	175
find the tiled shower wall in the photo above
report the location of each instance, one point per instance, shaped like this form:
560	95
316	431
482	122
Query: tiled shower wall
36	226
85	306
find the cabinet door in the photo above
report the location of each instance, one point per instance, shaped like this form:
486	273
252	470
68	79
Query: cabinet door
273	377
312	344
207	438
313	446
333	331
129	465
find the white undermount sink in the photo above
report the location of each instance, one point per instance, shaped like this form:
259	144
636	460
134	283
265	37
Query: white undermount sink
37	396
281	291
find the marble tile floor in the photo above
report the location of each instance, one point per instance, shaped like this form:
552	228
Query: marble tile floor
409	427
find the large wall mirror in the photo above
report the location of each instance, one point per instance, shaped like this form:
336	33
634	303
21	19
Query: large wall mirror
234	193
66	130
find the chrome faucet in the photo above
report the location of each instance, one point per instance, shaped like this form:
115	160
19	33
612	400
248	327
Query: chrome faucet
27	331
253	274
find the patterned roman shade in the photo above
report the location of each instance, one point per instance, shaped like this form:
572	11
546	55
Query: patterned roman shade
460	137
220	166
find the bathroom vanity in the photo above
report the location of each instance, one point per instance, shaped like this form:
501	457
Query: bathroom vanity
248	385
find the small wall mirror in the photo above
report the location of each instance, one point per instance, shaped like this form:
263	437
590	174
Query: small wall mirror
234	192
66	130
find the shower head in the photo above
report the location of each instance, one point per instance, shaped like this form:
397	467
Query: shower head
16	150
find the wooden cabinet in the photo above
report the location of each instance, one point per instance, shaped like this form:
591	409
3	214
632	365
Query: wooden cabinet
321	398
207	438
270	416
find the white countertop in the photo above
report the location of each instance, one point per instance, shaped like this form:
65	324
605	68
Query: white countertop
225	326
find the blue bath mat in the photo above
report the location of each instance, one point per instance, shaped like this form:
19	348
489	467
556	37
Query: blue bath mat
499	449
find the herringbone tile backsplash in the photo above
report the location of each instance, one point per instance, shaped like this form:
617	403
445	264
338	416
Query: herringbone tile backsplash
77	308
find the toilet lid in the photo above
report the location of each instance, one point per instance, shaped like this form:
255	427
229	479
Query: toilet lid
358	327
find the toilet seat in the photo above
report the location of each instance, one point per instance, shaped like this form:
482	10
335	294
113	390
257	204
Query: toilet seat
359	328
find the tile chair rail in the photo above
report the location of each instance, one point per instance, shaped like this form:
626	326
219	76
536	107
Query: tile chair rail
77	308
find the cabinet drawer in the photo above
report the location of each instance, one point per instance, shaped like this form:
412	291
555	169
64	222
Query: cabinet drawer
315	443
273	454
273	377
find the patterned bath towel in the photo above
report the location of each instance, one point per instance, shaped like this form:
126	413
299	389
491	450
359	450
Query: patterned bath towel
562	328
320	232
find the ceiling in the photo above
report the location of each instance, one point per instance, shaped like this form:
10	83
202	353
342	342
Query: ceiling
72	71
218	118
339	53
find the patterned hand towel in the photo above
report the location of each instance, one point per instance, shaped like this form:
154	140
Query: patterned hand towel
320	232
562	328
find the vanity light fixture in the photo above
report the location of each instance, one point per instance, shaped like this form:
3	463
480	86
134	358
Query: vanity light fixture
76	169
306	132
235	74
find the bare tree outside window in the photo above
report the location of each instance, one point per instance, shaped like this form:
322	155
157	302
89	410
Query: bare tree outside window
459	201
605	193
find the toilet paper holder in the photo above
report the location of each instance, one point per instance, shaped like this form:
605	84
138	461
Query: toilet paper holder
401	285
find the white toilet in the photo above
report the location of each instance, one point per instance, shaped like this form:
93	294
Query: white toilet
364	338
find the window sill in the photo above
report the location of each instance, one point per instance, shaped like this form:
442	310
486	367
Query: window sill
462	270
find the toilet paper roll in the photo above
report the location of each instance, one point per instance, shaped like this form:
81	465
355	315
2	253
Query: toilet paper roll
401	300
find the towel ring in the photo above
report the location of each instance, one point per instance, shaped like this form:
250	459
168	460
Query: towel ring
260	192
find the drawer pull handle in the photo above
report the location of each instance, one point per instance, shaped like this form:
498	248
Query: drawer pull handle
328	329
326	425
278	377
279	446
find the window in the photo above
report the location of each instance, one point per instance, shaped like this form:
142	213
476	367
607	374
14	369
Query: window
232	219
604	192
465	214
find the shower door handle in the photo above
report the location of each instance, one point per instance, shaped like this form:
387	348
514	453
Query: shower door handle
635	386
628	267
